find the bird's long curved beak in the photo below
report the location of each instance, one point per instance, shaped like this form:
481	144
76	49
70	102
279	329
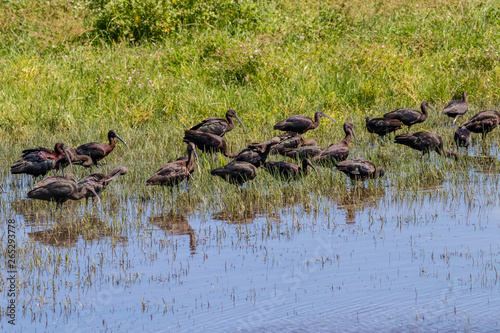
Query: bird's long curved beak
433	109
118	137
312	166
69	159
197	159
95	193
241	123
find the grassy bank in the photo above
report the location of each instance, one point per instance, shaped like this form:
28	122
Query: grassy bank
67	77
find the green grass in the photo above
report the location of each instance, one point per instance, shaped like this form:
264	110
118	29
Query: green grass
65	79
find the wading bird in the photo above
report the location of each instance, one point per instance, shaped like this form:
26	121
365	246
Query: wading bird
256	153
456	108
61	189
483	122
424	142
360	169
410	117
97	151
462	137
219	126
303	152
102	180
236	172
289	170
74	158
175	172
338	151
300	124
382	126
39	161
207	142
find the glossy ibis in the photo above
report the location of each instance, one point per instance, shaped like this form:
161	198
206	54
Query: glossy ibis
219	126
102	180
288	140
236	172
382	126
39	161
338	151
256	153
456	108
61	189
300	124
410	117
74	158
360	169
206	142
175	172
97	151
483	122
289	170
303	152
424	142
462	137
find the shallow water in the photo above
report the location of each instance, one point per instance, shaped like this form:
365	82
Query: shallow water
369	260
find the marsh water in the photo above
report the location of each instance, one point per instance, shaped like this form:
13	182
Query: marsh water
373	258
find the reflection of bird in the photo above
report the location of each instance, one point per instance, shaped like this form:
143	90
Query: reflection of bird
218	126
175	172
462	137
206	142
256	153
456	108
176	225
338	151
96	150
289	170
424	142
236	172
382	126
38	161
483	122
360	169
61	189
410	117
300	124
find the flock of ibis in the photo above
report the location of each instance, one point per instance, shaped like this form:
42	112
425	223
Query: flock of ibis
208	136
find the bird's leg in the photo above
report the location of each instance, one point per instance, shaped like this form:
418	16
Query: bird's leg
455	120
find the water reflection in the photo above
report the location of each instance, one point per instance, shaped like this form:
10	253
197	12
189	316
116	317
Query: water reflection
356	200
175	224
67	233
243	216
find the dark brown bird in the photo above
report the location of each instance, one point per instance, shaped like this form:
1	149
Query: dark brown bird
462	137
382	126
300	124
219	126
483	122
456	108
256	153
360	169
236	172
175	172
74	158
303	152
102	180
410	117
38	161
289	170
338	151
424	142
97	151
206	142
288	140
61	189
